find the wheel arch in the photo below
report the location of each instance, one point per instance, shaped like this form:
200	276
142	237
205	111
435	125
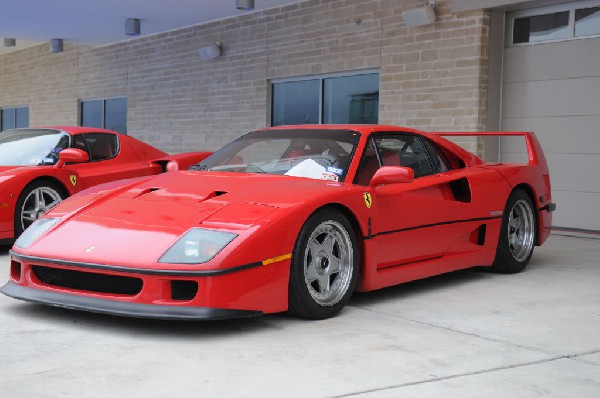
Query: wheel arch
357	230
529	190
51	180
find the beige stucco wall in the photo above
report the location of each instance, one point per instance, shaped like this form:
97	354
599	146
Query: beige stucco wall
432	77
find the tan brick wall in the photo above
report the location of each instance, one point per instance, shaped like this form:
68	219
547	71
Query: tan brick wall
432	77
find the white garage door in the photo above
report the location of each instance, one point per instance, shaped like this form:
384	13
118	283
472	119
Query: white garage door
553	89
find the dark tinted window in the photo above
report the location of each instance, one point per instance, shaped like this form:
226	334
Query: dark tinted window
108	114
328	100
405	150
100	146
438	159
541	27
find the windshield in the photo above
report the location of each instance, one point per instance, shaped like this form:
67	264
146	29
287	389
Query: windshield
31	147
317	154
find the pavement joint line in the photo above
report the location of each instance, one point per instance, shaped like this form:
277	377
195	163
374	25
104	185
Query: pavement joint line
534	349
450	377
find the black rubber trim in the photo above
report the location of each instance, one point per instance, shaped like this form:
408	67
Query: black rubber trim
550	207
143	271
120	308
431	225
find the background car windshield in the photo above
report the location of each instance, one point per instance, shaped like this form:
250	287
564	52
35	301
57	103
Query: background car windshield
318	154
31	147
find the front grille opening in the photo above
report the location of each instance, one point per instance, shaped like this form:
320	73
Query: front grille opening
15	270
183	290
88	281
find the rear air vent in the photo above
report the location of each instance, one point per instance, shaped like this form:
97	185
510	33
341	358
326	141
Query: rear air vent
88	281
461	190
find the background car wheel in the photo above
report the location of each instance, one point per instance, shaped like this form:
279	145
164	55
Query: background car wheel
324	266
517	234
35	200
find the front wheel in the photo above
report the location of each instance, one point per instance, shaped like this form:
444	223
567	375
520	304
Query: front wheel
324	266
517	234
35	200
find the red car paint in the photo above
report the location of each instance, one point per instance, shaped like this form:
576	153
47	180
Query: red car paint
406	230
134	159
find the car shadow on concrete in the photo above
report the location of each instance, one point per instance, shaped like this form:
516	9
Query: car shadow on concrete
206	329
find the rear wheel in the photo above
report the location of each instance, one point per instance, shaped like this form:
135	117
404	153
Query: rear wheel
324	266
35	200
517	235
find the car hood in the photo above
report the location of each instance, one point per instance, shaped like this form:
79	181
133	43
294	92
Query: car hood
137	223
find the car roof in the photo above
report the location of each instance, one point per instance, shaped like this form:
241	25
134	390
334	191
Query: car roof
74	130
362	128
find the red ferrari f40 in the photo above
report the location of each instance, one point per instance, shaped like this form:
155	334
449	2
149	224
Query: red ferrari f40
291	218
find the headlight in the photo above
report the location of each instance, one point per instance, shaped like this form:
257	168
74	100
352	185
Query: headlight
34	231
197	246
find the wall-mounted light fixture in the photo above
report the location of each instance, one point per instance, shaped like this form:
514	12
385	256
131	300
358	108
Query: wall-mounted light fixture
245	5
133	27
420	16
56	46
211	51
10	42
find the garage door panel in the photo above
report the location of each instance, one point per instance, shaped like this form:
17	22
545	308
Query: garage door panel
575	172
576	209
569	97
572	134
539	62
553	89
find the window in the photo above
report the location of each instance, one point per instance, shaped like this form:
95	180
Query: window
562	22
328	100
99	146
110	113
541	28
587	21
15	117
407	150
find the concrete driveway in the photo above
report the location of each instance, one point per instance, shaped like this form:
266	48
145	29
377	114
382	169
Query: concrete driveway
465	334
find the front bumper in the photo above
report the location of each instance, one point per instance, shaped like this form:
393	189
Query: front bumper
119	308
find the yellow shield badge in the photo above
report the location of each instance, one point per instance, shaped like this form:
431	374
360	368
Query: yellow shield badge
368	200
73	180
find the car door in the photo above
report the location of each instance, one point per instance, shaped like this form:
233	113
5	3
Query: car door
106	163
410	221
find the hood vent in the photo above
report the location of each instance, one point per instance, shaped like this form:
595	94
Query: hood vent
214	194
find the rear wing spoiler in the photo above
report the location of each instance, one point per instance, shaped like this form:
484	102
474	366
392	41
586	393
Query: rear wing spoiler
534	149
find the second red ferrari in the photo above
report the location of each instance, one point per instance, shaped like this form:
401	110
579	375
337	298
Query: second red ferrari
39	167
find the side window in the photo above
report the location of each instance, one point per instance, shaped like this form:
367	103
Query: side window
368	165
100	146
405	150
439	160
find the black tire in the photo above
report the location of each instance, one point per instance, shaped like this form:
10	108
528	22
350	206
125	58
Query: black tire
29	209
517	234
326	244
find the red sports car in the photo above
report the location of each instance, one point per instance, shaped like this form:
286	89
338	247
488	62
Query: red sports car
39	167
290	218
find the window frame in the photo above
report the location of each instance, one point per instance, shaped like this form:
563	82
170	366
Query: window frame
84	138
14	109
103	111
322	78
419	137
533	12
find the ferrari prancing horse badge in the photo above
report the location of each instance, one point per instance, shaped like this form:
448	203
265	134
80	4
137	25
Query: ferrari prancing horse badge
73	180
368	200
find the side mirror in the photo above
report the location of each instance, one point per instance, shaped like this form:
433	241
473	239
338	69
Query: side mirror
392	175
71	155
